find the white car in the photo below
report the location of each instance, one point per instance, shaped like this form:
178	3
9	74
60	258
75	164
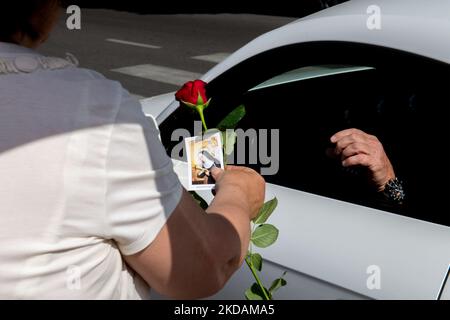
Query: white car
381	68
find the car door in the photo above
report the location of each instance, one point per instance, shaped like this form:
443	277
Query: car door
338	238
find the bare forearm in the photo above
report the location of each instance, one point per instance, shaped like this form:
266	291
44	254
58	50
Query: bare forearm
230	203
196	252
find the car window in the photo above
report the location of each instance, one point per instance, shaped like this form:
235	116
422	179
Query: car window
401	99
309	72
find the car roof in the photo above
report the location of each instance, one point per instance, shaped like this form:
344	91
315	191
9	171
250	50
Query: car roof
416	26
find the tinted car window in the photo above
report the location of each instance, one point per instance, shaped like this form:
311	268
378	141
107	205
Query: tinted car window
405	104
409	116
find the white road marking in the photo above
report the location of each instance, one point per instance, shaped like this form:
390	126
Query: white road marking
131	43
159	73
215	57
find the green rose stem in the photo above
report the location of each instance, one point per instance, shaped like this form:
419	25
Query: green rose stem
249	262
200	109
255	275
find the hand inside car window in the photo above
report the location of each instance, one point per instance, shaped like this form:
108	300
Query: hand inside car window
356	148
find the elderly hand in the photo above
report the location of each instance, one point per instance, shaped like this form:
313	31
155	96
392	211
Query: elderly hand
356	147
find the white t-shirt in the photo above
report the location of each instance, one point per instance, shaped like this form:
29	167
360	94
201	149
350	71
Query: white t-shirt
84	179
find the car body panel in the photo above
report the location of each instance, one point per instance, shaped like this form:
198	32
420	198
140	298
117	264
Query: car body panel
300	286
445	292
401	26
337	242
155	105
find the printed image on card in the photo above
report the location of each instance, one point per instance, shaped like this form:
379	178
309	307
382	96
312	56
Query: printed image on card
202	156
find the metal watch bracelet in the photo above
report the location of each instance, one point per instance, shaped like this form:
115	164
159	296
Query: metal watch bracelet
394	191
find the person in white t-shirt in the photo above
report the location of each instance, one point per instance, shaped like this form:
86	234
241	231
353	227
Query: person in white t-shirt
90	207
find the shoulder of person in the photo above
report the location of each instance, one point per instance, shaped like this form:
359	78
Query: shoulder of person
84	74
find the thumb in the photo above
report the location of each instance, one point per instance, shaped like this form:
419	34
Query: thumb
216	173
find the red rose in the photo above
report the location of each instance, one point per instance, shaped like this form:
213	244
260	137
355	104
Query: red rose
191	92
193	95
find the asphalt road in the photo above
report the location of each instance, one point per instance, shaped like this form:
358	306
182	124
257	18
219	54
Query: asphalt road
155	54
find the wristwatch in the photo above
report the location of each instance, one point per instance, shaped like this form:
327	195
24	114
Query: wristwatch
394	191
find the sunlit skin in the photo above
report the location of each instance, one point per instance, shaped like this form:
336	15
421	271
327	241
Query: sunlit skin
357	148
